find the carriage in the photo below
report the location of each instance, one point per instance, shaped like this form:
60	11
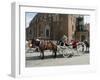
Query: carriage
66	50
69	51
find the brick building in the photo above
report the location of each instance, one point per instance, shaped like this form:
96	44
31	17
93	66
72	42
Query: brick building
51	26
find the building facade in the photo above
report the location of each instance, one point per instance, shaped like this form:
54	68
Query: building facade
82	30
51	26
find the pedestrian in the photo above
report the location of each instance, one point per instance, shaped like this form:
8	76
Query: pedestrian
87	45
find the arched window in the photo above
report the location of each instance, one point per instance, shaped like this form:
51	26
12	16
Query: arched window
47	33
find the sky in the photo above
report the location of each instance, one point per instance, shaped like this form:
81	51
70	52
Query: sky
86	19
30	15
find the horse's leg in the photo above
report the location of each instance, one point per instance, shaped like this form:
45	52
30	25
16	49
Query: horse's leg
54	53
42	54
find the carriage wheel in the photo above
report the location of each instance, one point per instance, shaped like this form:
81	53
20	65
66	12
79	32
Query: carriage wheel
67	53
42	55
80	47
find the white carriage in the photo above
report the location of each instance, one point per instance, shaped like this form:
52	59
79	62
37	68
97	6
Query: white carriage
69	51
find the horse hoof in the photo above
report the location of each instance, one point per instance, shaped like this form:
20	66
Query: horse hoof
55	56
42	58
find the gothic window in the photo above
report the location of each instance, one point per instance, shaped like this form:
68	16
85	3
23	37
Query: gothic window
47	33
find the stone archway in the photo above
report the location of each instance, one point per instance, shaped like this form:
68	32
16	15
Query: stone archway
83	37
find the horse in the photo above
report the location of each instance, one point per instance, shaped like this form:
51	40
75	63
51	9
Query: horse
47	45
42	45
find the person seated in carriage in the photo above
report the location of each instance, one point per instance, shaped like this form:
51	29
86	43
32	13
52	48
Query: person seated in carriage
63	41
74	43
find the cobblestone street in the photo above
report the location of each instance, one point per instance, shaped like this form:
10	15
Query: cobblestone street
33	59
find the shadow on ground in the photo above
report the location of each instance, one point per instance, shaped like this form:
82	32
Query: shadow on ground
45	57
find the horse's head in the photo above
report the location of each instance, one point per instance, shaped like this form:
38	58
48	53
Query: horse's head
30	43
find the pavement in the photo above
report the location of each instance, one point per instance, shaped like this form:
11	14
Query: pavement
34	60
